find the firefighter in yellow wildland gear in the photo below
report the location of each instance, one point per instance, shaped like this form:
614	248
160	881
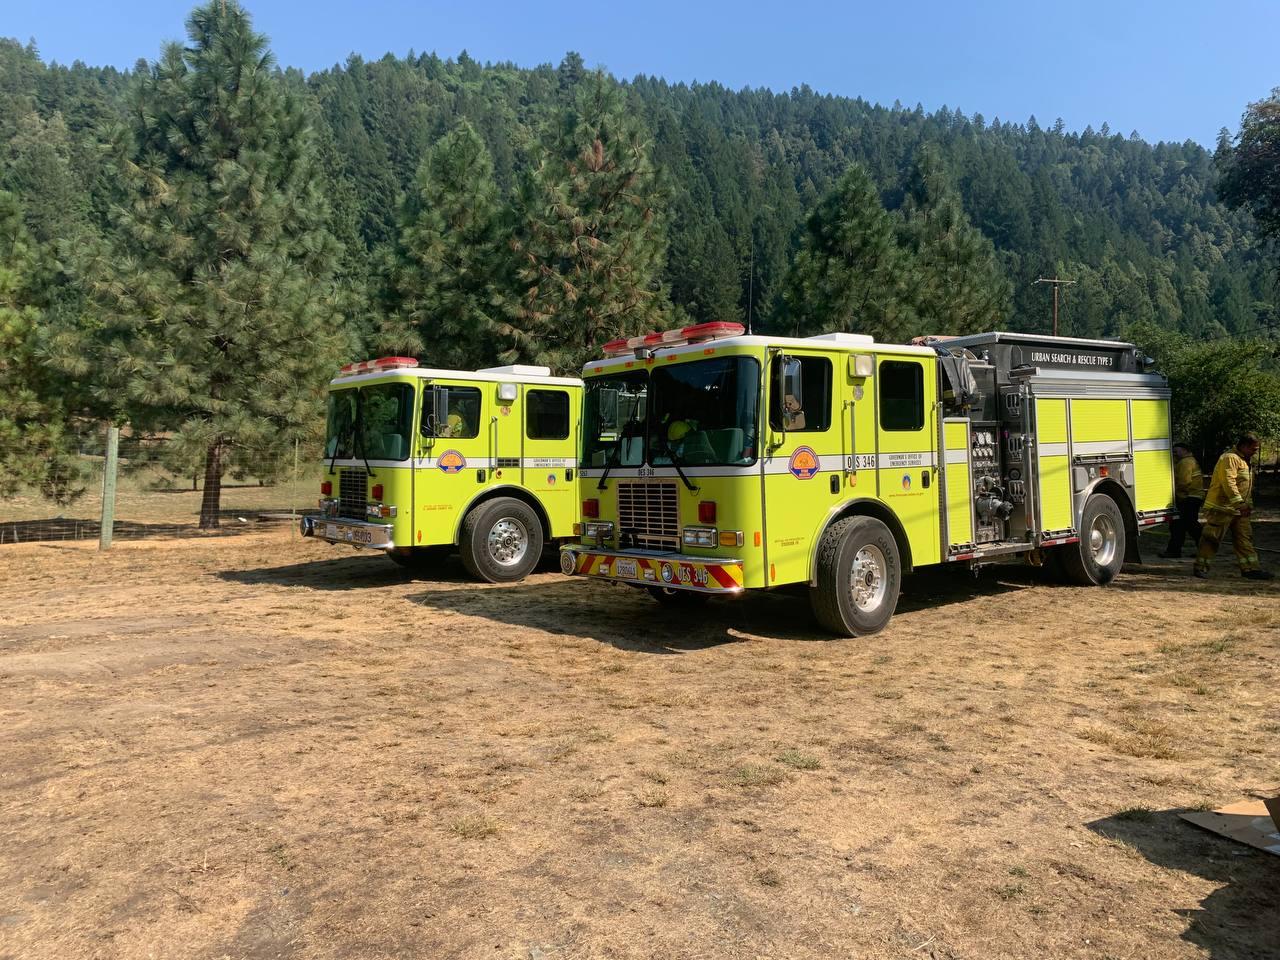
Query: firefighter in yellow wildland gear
1227	506
1188	495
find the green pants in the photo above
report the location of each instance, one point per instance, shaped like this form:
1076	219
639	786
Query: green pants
1216	525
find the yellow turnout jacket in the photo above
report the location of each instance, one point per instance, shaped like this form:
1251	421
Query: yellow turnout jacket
1188	481
1232	485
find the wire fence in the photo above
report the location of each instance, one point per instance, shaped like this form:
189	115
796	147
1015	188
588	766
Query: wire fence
159	490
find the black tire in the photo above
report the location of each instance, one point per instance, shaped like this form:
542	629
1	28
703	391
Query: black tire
503	527
420	560
677	599
1099	555
840	608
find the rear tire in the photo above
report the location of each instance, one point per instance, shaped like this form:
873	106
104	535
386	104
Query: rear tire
859	577
677	599
1099	555
501	540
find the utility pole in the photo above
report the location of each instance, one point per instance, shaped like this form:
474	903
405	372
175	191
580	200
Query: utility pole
1056	284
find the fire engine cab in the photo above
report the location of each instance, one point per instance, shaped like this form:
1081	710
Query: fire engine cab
419	462
713	462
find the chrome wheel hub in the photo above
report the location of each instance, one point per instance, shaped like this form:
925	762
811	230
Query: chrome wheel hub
1102	540
868	578
508	542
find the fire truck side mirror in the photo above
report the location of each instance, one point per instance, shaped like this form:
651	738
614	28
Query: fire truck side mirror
792	387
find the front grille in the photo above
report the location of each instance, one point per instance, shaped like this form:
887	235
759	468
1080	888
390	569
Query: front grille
649	514
353	486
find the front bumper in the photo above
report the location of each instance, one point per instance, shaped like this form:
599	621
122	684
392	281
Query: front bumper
357	533
642	568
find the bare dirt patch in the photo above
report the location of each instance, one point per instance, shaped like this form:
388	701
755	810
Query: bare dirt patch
267	747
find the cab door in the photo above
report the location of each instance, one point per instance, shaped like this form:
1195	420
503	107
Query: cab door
906	440
549	461
454	461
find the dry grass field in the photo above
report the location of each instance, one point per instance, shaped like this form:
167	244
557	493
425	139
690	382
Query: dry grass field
263	747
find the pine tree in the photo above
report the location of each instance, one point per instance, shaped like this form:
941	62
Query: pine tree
37	443
215	289
960	286
589	239
1250	168
849	274
443	275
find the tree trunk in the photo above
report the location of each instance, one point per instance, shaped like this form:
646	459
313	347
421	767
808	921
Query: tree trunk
212	498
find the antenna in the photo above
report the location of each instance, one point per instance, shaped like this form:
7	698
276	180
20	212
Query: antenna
1056	284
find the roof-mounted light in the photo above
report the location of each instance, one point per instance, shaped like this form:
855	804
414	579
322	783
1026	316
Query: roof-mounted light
382	363
696	333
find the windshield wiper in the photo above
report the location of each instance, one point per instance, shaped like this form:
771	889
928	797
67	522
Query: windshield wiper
616	460
359	431
675	461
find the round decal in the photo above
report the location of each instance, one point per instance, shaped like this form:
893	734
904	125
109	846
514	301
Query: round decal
906	481
451	461
506	411
803	463
551	479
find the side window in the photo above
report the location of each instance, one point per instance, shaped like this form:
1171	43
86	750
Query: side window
452	412
546	415
801	395
901	395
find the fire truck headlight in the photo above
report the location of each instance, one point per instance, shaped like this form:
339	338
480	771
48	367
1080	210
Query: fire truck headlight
699	536
598	530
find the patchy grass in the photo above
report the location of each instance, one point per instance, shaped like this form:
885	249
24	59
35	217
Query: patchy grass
475	826
798	760
756	775
653	797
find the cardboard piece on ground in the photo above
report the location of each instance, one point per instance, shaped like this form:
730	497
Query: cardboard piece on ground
1255	822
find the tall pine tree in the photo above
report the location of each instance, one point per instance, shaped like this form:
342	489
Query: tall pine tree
960	287
215	290
589	239
849	274
445	265
37	444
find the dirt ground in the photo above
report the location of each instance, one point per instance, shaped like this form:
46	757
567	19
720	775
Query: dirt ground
267	747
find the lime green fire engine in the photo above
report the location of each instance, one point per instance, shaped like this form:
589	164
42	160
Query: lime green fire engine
715	462
418	462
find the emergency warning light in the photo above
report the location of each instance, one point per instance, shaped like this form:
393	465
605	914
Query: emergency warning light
697	333
382	363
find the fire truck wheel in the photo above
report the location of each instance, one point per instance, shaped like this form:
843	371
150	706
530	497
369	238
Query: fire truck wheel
419	559
1099	555
859	576
501	540
677	598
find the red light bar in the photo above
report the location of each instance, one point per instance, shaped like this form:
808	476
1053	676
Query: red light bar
382	363
696	333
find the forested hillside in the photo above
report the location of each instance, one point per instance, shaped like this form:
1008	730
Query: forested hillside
241	227
1136	224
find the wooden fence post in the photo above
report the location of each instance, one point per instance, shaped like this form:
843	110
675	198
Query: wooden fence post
109	488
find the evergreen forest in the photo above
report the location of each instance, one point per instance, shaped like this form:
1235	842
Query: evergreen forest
192	246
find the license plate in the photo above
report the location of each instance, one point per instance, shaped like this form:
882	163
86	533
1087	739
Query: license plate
331	531
625	568
359	535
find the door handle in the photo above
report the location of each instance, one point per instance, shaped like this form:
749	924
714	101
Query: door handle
924	479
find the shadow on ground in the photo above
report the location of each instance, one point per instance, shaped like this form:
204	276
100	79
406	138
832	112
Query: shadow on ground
1241	913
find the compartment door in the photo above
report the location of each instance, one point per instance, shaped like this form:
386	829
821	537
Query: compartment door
959	476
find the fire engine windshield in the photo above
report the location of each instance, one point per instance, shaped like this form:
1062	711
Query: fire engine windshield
371	422
702	413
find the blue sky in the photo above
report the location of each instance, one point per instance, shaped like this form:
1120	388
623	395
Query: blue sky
1175	70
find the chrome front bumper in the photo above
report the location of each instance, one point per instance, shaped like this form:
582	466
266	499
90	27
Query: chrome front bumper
357	533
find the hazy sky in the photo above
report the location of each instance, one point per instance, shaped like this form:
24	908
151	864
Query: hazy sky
1173	70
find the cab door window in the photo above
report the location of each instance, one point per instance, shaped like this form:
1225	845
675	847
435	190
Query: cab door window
547	415
801	394
452	412
901	395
